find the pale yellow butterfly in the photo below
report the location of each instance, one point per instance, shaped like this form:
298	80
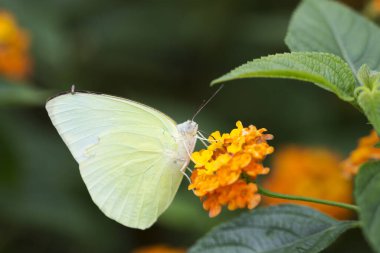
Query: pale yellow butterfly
131	157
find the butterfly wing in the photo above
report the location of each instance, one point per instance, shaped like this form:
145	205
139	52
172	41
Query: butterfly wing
127	154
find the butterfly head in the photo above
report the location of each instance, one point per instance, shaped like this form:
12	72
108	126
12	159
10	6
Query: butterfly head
189	128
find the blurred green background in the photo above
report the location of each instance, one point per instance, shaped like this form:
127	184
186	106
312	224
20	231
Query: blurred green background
163	54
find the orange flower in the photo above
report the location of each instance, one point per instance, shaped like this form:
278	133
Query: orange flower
372	9
366	150
14	46
222	171
309	172
159	249
376	5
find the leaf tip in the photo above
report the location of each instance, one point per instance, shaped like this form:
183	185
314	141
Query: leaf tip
219	80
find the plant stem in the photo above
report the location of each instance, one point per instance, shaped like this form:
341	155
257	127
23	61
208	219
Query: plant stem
306	199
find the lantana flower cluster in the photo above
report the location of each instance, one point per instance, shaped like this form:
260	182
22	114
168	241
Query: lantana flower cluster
14	48
366	150
224	173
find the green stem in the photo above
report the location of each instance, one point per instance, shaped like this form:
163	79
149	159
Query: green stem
307	199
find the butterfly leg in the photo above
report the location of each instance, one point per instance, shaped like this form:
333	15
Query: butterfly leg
202	140
187	177
184	166
201	135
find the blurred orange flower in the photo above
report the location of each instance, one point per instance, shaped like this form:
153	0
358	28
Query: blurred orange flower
14	48
159	249
366	150
222	171
309	172
372	9
376	5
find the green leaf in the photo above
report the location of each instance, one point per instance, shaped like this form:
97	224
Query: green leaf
285	229
327	26
367	194
367	77
21	94
369	100
327	71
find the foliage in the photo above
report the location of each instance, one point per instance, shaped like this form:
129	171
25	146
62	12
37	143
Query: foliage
18	93
283	228
356	44
328	71
367	197
327	26
336	49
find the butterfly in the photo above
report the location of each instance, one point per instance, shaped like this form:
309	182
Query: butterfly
131	157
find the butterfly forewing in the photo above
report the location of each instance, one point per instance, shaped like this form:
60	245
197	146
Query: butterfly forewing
127	154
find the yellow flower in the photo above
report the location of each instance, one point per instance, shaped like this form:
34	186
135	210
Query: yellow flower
14	47
201	158
159	249
309	172
223	171
365	151
214	165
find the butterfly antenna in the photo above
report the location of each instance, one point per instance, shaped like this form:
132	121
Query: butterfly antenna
204	103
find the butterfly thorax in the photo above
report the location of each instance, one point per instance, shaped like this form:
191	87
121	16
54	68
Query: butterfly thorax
186	141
